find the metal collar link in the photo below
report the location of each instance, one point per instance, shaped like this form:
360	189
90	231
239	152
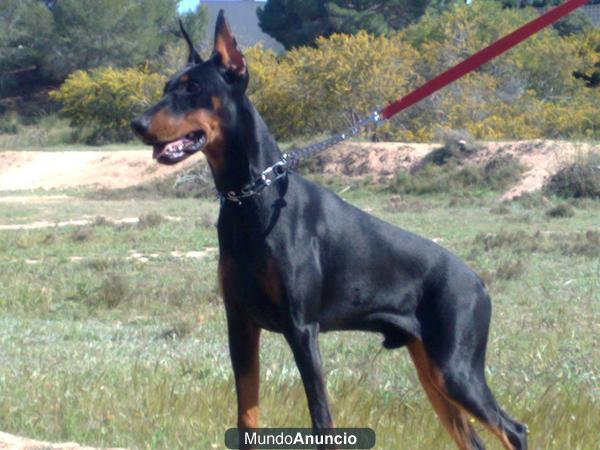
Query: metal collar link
281	168
267	178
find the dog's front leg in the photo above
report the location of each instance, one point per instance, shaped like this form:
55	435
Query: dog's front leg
244	349
303	342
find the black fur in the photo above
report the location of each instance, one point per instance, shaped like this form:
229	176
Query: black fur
334	267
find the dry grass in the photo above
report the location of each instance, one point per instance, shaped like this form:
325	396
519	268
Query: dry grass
150	220
561	210
82	234
112	351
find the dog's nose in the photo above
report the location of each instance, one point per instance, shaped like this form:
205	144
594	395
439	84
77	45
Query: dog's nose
140	125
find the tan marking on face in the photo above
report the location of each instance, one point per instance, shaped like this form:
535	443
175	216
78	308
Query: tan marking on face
166	127
184	78
210	123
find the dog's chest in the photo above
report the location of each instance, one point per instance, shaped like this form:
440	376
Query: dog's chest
253	288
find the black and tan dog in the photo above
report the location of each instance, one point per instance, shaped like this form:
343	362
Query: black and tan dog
296	259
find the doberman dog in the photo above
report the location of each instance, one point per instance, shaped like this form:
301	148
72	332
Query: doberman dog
296	259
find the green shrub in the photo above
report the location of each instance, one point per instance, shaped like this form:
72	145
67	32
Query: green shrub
578	179
502	171
458	144
561	210
105	100
9	124
496	175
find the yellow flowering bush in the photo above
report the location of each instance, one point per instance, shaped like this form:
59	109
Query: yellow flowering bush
309	90
105	100
529	92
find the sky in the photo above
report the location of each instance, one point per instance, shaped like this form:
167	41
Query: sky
186	5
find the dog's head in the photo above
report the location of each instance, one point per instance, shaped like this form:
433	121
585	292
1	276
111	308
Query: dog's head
198	104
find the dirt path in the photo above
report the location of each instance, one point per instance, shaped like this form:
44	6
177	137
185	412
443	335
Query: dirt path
10	442
21	170
47	170
76	222
542	158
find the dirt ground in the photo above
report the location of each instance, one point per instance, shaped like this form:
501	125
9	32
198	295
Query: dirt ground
23	170
542	157
10	442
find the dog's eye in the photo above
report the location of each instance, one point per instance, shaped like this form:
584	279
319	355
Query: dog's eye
193	86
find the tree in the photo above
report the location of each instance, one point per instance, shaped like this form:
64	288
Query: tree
300	22
94	33
26	28
377	17
47	40
294	22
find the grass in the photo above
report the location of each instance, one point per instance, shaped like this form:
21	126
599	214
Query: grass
108	339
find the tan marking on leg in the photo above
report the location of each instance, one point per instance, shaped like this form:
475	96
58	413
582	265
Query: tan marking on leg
268	279
501	435
247	386
454	418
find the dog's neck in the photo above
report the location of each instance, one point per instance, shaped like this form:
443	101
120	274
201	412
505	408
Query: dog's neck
243	226
250	149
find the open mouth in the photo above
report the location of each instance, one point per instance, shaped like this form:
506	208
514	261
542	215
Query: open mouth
179	149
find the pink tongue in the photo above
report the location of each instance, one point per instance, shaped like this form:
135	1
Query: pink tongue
171	147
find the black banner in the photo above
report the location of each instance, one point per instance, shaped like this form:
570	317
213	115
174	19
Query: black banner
300	438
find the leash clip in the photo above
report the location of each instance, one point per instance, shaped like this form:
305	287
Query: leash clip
275	172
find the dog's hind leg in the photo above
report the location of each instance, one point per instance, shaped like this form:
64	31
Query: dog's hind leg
471	392
452	416
456	350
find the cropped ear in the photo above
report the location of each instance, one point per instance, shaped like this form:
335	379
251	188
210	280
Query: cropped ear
231	58
193	57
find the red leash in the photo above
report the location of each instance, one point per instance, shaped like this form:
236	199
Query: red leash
481	57
454	73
